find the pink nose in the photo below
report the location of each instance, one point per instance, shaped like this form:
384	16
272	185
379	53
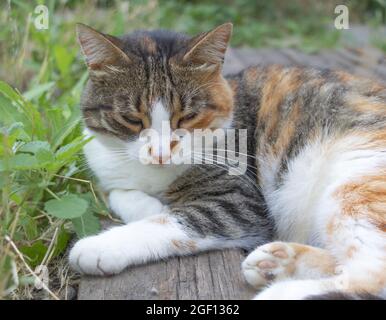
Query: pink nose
159	158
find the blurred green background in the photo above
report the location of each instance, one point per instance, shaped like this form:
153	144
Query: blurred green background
303	24
47	193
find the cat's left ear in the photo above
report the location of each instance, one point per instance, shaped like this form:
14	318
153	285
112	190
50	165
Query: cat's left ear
209	48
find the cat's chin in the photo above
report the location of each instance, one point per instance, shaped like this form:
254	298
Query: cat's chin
162	166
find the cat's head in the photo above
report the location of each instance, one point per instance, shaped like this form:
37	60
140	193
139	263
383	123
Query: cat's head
149	78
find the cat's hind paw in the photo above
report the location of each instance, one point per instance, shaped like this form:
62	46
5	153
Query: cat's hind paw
269	262
97	256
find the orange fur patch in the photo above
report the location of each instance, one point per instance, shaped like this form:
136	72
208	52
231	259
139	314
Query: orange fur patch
366	104
280	84
287	131
365	198
315	258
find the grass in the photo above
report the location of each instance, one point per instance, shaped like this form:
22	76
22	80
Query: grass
47	194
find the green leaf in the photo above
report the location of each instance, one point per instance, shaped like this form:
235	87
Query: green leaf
23	161
11	114
44	157
61	241
37	91
35	253
17	109
67	151
10	93
29	226
69	206
88	224
63	59
34	146
66	129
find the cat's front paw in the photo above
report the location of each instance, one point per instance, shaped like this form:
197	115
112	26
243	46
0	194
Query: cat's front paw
97	256
269	262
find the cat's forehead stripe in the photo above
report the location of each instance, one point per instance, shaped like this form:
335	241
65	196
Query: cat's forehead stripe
159	114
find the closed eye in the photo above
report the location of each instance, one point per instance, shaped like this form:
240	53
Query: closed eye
133	121
188	117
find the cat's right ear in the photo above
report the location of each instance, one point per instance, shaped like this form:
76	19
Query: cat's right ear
102	52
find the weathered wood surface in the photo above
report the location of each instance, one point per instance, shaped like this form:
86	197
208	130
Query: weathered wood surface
213	275
217	275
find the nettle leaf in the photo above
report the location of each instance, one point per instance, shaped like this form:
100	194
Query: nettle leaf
23	161
35	252
66	128
69	206
69	150
29	226
11	114
86	225
35	146
15	107
44	156
10	93
37	91
16	132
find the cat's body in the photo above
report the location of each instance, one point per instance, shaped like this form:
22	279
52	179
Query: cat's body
317	162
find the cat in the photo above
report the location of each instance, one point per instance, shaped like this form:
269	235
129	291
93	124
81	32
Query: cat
316	206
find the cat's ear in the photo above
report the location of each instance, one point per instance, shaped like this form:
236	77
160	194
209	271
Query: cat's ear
101	51
209	48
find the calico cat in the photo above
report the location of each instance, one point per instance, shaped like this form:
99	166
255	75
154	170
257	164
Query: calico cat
316	155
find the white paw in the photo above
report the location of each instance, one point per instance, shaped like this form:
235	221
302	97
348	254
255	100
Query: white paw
131	205
98	256
272	261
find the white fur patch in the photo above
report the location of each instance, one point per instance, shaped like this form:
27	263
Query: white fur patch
303	203
295	289
159	116
131	205
117	166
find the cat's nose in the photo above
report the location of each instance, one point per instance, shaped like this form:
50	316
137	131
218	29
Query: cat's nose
159	156
162	154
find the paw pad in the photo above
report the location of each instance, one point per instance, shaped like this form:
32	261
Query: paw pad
269	262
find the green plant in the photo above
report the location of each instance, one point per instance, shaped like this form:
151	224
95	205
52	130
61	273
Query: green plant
45	192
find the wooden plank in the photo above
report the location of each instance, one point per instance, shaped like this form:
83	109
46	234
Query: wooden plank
215	275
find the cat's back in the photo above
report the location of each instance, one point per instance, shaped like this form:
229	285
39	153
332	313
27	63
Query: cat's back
286	100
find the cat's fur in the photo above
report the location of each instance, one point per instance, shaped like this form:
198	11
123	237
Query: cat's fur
317	146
